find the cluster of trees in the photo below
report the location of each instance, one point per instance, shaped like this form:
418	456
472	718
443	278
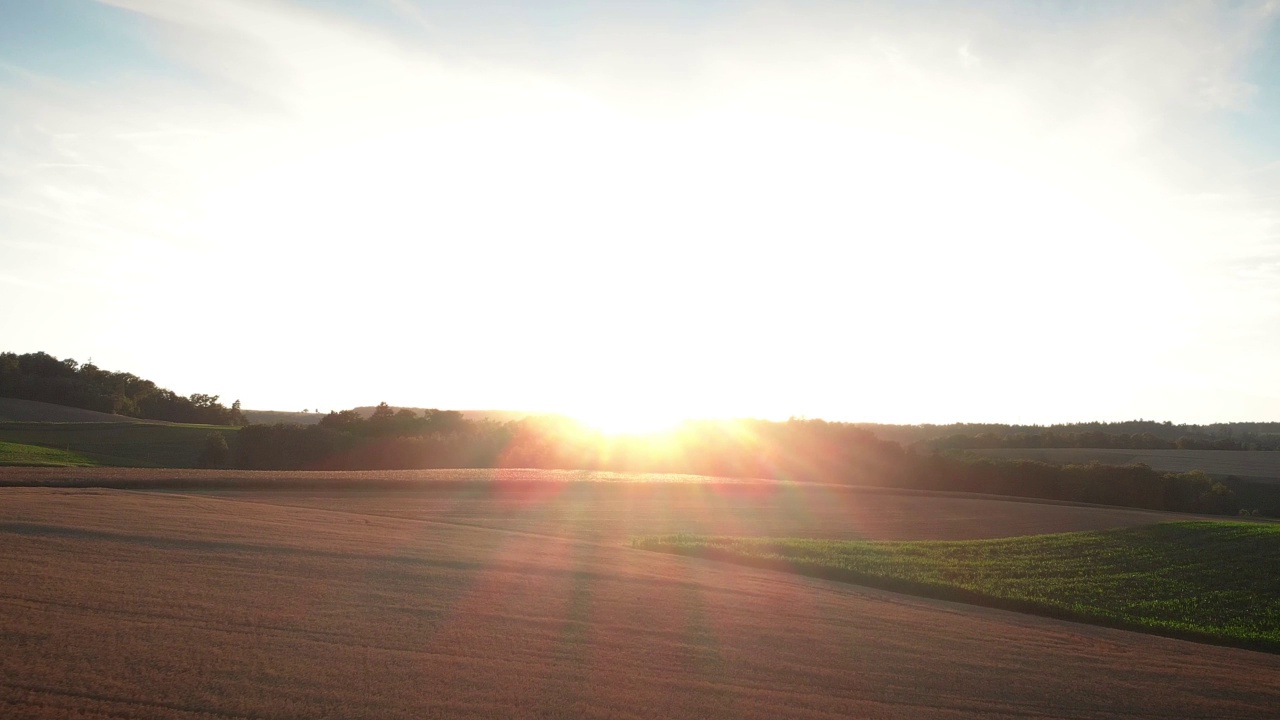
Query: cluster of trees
389	439
42	377
387	421
1099	439
1126	485
402	439
803	450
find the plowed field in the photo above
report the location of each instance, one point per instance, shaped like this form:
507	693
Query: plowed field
475	603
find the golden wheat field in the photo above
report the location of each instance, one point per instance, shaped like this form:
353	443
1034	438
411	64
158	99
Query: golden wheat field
491	599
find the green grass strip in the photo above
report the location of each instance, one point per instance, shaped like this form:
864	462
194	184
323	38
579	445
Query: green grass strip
119	444
1213	582
37	456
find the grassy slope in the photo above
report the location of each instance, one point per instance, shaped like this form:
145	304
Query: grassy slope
1212	581
37	456
15	410
124	444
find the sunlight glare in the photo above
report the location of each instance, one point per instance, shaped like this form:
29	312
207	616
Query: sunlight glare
630	420
675	240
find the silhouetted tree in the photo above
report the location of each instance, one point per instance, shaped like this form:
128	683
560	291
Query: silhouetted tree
346	420
216	453
237	416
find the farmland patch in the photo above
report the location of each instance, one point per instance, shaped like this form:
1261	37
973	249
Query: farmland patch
150	605
1211	581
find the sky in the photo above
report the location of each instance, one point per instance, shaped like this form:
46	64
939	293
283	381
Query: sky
642	211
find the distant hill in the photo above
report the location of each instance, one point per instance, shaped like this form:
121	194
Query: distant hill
273	417
14	410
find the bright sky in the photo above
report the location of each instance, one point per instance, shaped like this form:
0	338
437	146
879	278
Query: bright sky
893	212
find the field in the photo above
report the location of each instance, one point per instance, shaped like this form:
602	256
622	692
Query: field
124	444
612	506
1257	465
15	410
1202	580
520	596
36	455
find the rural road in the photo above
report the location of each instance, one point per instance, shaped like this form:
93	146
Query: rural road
144	605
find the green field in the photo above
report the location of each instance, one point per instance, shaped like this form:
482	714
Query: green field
1210	581
118	444
38	456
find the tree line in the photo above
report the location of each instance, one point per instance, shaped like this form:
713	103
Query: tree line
1096	439
1127	435
799	450
44	378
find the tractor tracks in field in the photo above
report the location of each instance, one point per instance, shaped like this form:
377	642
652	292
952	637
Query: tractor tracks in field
105	698
384	516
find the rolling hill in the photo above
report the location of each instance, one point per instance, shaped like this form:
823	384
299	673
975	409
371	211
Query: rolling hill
15	410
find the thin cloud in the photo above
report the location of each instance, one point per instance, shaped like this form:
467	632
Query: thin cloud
411	12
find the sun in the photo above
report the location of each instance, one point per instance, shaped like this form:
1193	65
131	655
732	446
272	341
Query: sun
629	421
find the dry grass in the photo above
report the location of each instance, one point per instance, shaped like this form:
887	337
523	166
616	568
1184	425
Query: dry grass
138	605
